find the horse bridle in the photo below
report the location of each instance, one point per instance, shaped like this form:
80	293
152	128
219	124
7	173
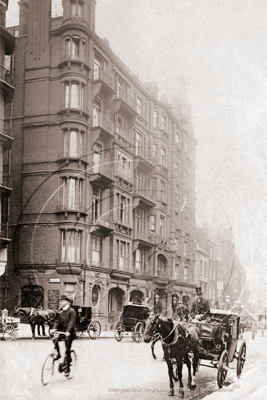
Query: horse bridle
176	334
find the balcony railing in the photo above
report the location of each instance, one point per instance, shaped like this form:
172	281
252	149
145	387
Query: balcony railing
71	208
73	106
100	121
100	74
4	231
6	180
72	57
6	76
105	169
72	156
103	220
121	94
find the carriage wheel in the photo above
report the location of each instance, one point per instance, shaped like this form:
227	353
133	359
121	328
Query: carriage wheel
241	358
48	369
10	333
222	368
79	334
138	332
119	331
94	329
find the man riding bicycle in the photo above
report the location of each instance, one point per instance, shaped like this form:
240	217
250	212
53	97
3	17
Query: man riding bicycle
65	322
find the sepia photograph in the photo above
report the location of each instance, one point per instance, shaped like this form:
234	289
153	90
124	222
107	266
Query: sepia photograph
133	191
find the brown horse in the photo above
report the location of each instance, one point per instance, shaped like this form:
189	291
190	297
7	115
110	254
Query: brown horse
178	340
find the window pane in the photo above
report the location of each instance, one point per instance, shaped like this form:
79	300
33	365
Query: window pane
74	95
73	144
67	95
72	201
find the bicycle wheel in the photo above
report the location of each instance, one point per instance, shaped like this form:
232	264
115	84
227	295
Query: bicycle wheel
48	369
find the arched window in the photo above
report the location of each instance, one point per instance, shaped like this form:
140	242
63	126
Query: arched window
161	265
95	295
32	296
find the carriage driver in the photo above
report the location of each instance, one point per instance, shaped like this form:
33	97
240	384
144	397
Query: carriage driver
200	305
65	322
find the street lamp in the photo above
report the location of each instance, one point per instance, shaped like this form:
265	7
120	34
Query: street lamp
227	299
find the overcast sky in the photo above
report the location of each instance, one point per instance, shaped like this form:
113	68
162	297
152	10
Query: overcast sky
219	46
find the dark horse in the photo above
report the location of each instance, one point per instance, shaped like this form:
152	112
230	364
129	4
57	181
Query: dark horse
37	317
178	340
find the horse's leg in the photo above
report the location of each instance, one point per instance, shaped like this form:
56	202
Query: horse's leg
195	366
188	363
170	371
179	361
43	328
38	328
32	324
152	348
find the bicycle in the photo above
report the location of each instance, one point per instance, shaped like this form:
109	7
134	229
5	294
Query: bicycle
49	364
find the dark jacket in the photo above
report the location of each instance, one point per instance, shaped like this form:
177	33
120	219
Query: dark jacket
66	321
200	306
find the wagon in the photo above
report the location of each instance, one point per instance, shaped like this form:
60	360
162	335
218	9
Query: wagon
84	322
220	341
131	322
9	328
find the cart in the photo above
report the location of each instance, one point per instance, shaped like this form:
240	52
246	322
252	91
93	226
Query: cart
9	328
221	348
84	322
131	322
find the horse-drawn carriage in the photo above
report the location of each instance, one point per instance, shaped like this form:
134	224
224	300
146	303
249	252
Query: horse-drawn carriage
84	322
9	327
131	321
219	335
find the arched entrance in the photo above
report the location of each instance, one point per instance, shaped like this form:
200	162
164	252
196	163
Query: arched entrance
116	300
32	296
136	296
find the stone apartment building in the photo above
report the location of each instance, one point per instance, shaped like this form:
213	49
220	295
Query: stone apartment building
103	205
7	45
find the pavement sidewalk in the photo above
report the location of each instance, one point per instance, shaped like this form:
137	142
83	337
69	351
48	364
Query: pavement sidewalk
25	332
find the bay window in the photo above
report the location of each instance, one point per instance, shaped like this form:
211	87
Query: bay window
74	94
72	193
70	246
73	143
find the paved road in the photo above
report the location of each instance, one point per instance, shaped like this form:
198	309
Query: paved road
106	369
